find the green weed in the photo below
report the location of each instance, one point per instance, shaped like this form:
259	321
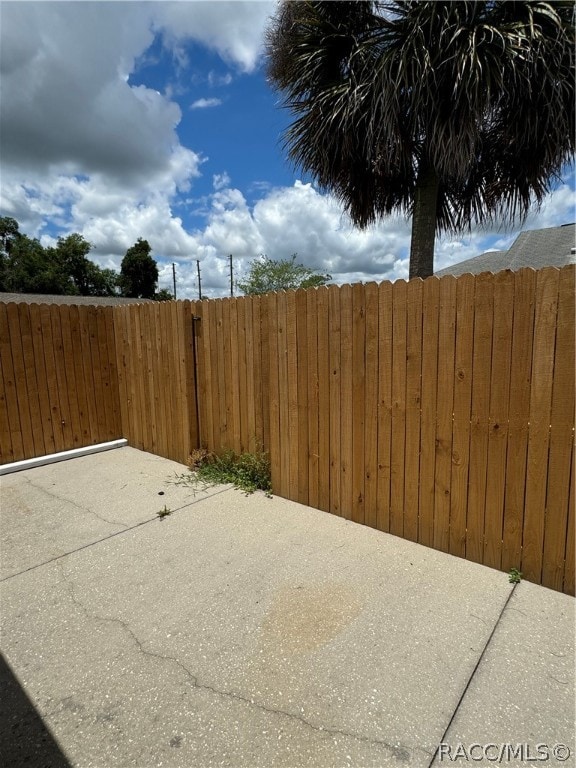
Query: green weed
514	576
247	472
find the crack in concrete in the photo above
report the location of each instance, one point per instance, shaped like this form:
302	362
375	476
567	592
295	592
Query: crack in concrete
73	503
401	753
112	535
474	671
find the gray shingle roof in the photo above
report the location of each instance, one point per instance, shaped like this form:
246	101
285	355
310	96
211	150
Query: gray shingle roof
40	298
536	248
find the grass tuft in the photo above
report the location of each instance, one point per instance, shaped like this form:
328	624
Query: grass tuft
247	472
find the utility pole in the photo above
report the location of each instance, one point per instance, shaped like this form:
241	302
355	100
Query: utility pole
199	281
231	277
174	278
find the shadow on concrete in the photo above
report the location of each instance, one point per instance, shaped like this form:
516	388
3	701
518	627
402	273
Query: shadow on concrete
24	739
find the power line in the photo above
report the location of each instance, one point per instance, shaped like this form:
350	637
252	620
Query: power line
199	280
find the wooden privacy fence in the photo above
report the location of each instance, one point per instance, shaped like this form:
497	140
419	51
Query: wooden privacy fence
72	376
441	411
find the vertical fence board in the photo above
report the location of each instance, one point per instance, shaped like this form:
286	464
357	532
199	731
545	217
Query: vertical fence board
112	362
430	308
73	387
283	409
251	429
260	444
79	345
187	416
190	372
346	488
265	369
145	381
220	349
242	369
118	317
273	384
462	404
179	361
216	352
413	406
7	393
322	303
32	393
7	332
561	439
41	379
518	417
398	409
539	433
385	335
302	384
104	403
148	373
19	378
203	373
163	408
371	407
51	377
233	374
569	570
358	400
292	398
64	392
313	448
483	322
87	371
498	419
335	332
444	413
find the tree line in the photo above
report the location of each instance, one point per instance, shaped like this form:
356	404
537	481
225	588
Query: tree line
26	266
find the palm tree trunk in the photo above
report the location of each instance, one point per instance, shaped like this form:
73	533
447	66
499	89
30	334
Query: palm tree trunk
424	223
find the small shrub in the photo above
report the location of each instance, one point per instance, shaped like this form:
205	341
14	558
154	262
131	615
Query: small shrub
247	472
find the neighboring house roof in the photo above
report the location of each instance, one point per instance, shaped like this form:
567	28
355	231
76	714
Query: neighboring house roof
536	248
40	298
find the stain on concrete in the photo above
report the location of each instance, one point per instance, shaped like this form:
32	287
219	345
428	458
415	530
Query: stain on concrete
303	618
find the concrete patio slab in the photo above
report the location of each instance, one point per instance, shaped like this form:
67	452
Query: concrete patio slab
528	669
58	508
246	631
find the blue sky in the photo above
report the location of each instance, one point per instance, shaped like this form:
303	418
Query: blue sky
136	119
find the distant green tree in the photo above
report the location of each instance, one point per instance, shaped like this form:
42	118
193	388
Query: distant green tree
31	268
9	232
266	275
164	295
26	266
139	272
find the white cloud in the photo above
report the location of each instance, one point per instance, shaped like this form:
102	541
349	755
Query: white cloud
215	80
85	149
220	181
233	29
205	103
